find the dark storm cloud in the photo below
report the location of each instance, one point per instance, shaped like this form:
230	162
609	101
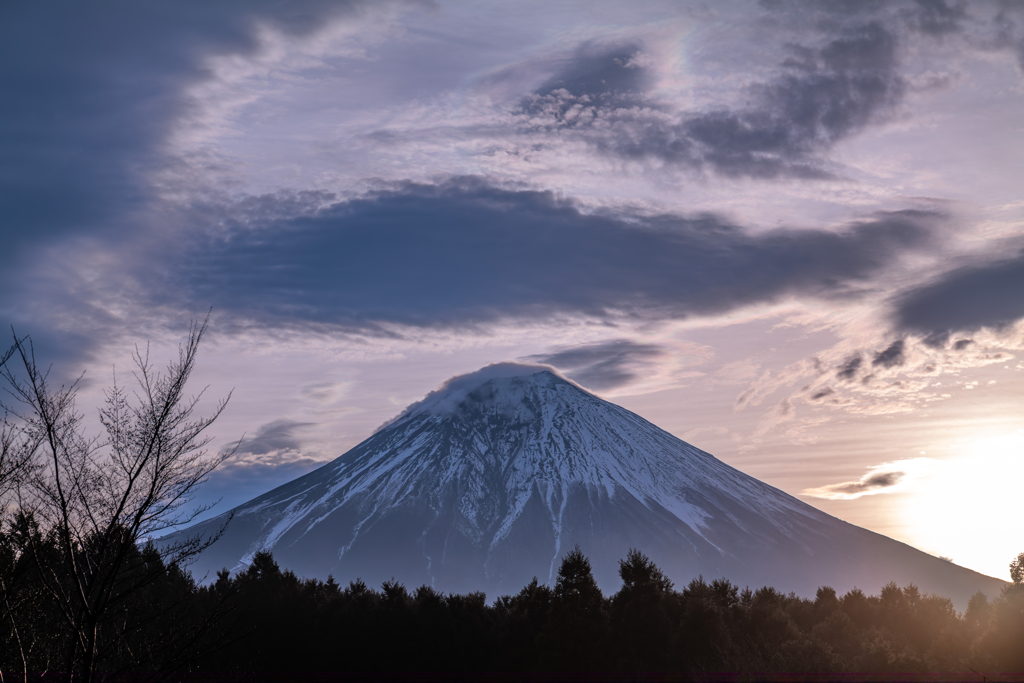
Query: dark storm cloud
891	356
465	252
966	299
595	81
989	26
849	369
91	90
934	17
937	17
872	482
603	365
1009	29
90	93
801	8
826	95
822	94
601	72
272	437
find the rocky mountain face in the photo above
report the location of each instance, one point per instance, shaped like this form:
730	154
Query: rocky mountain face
490	480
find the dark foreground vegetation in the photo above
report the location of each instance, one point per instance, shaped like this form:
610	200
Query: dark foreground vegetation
83	597
268	624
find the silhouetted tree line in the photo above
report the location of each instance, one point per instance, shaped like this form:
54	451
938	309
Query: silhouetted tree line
266	623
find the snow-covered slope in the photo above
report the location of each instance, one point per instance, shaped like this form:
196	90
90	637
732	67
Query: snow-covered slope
490	480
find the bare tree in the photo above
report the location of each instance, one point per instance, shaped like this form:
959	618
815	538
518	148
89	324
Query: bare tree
16	460
16	451
99	497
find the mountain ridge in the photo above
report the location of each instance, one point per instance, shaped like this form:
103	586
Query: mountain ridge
486	482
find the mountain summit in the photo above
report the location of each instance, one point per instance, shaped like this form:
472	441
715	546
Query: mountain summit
488	481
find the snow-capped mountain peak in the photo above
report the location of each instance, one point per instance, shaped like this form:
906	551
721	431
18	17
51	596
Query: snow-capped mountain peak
450	395
487	481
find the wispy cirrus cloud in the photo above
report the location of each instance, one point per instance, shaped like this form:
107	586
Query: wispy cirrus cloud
889	377
605	365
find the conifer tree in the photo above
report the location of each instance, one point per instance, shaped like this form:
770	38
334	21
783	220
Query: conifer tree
642	628
576	632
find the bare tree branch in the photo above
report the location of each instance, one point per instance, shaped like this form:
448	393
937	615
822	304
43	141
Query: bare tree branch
101	498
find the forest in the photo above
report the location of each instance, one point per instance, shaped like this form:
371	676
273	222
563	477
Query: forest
86	595
266	623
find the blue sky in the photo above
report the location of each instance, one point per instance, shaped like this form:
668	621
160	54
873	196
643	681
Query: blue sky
789	232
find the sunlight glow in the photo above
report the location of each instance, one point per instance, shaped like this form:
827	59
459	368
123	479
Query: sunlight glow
982	482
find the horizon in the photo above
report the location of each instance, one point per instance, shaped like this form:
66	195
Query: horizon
788	233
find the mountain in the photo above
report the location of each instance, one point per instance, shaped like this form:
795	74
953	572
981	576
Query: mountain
490	480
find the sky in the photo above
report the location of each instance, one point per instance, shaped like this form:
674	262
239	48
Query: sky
789	232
